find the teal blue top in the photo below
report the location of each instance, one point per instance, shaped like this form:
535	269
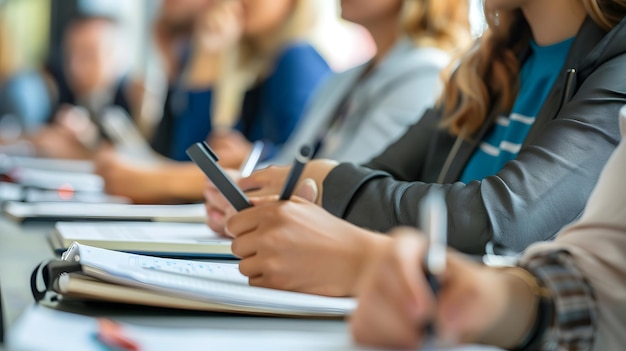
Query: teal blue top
504	141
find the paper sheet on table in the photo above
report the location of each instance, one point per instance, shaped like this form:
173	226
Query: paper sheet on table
61	331
59	211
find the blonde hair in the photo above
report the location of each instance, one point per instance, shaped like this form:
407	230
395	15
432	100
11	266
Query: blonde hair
8	56
245	64
487	77
439	23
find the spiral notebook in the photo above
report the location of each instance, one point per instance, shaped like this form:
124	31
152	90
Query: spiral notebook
91	273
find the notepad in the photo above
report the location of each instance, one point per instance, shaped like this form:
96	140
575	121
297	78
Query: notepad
135	279
46	164
54	180
16	192
51	211
187	240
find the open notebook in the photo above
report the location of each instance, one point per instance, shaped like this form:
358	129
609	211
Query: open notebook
72	211
185	240
106	275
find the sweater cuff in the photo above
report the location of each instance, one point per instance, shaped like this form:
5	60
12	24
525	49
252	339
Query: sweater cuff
573	326
342	184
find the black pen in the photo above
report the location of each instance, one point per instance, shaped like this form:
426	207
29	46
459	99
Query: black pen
296	170
248	166
434	222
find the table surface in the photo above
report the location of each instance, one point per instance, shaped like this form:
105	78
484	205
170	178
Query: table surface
23	247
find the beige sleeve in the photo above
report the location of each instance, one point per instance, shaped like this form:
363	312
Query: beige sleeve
597	242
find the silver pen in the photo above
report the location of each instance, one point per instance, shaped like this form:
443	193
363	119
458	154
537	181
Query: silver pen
248	166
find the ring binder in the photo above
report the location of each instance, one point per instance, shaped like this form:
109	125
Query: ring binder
89	273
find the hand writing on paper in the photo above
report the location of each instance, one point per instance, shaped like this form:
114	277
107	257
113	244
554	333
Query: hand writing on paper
477	304
296	245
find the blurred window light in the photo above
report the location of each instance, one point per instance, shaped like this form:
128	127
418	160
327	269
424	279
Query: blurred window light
477	17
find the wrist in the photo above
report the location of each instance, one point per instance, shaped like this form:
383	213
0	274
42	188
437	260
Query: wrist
182	182
369	252
318	170
523	307
516	314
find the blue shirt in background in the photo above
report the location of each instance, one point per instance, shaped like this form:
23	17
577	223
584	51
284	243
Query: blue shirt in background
25	98
504	141
193	124
270	110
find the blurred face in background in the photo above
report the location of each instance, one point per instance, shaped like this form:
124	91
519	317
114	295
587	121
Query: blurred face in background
369	12
179	15
263	17
90	56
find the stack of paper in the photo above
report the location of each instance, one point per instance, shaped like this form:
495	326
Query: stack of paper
160	239
50	211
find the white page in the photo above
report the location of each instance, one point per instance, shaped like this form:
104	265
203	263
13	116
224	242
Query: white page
50	164
140	232
56	180
10	192
196	280
194	212
62	331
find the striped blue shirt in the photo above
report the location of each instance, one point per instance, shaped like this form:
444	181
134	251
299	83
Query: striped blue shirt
504	141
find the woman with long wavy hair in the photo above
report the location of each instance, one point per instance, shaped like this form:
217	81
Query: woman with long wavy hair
517	143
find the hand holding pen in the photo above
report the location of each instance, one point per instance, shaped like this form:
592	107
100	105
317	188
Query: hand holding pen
399	298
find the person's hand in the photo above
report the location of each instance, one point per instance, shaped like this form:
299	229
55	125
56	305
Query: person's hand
271	180
75	121
142	185
218	209
231	147
219	27
70	136
298	246
477	304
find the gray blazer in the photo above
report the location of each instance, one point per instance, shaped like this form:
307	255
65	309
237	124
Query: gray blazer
532	197
382	107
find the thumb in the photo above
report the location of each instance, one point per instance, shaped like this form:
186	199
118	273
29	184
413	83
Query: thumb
308	190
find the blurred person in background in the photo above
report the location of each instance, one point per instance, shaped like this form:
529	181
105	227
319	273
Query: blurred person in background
356	114
92	78
24	98
256	60
173	33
